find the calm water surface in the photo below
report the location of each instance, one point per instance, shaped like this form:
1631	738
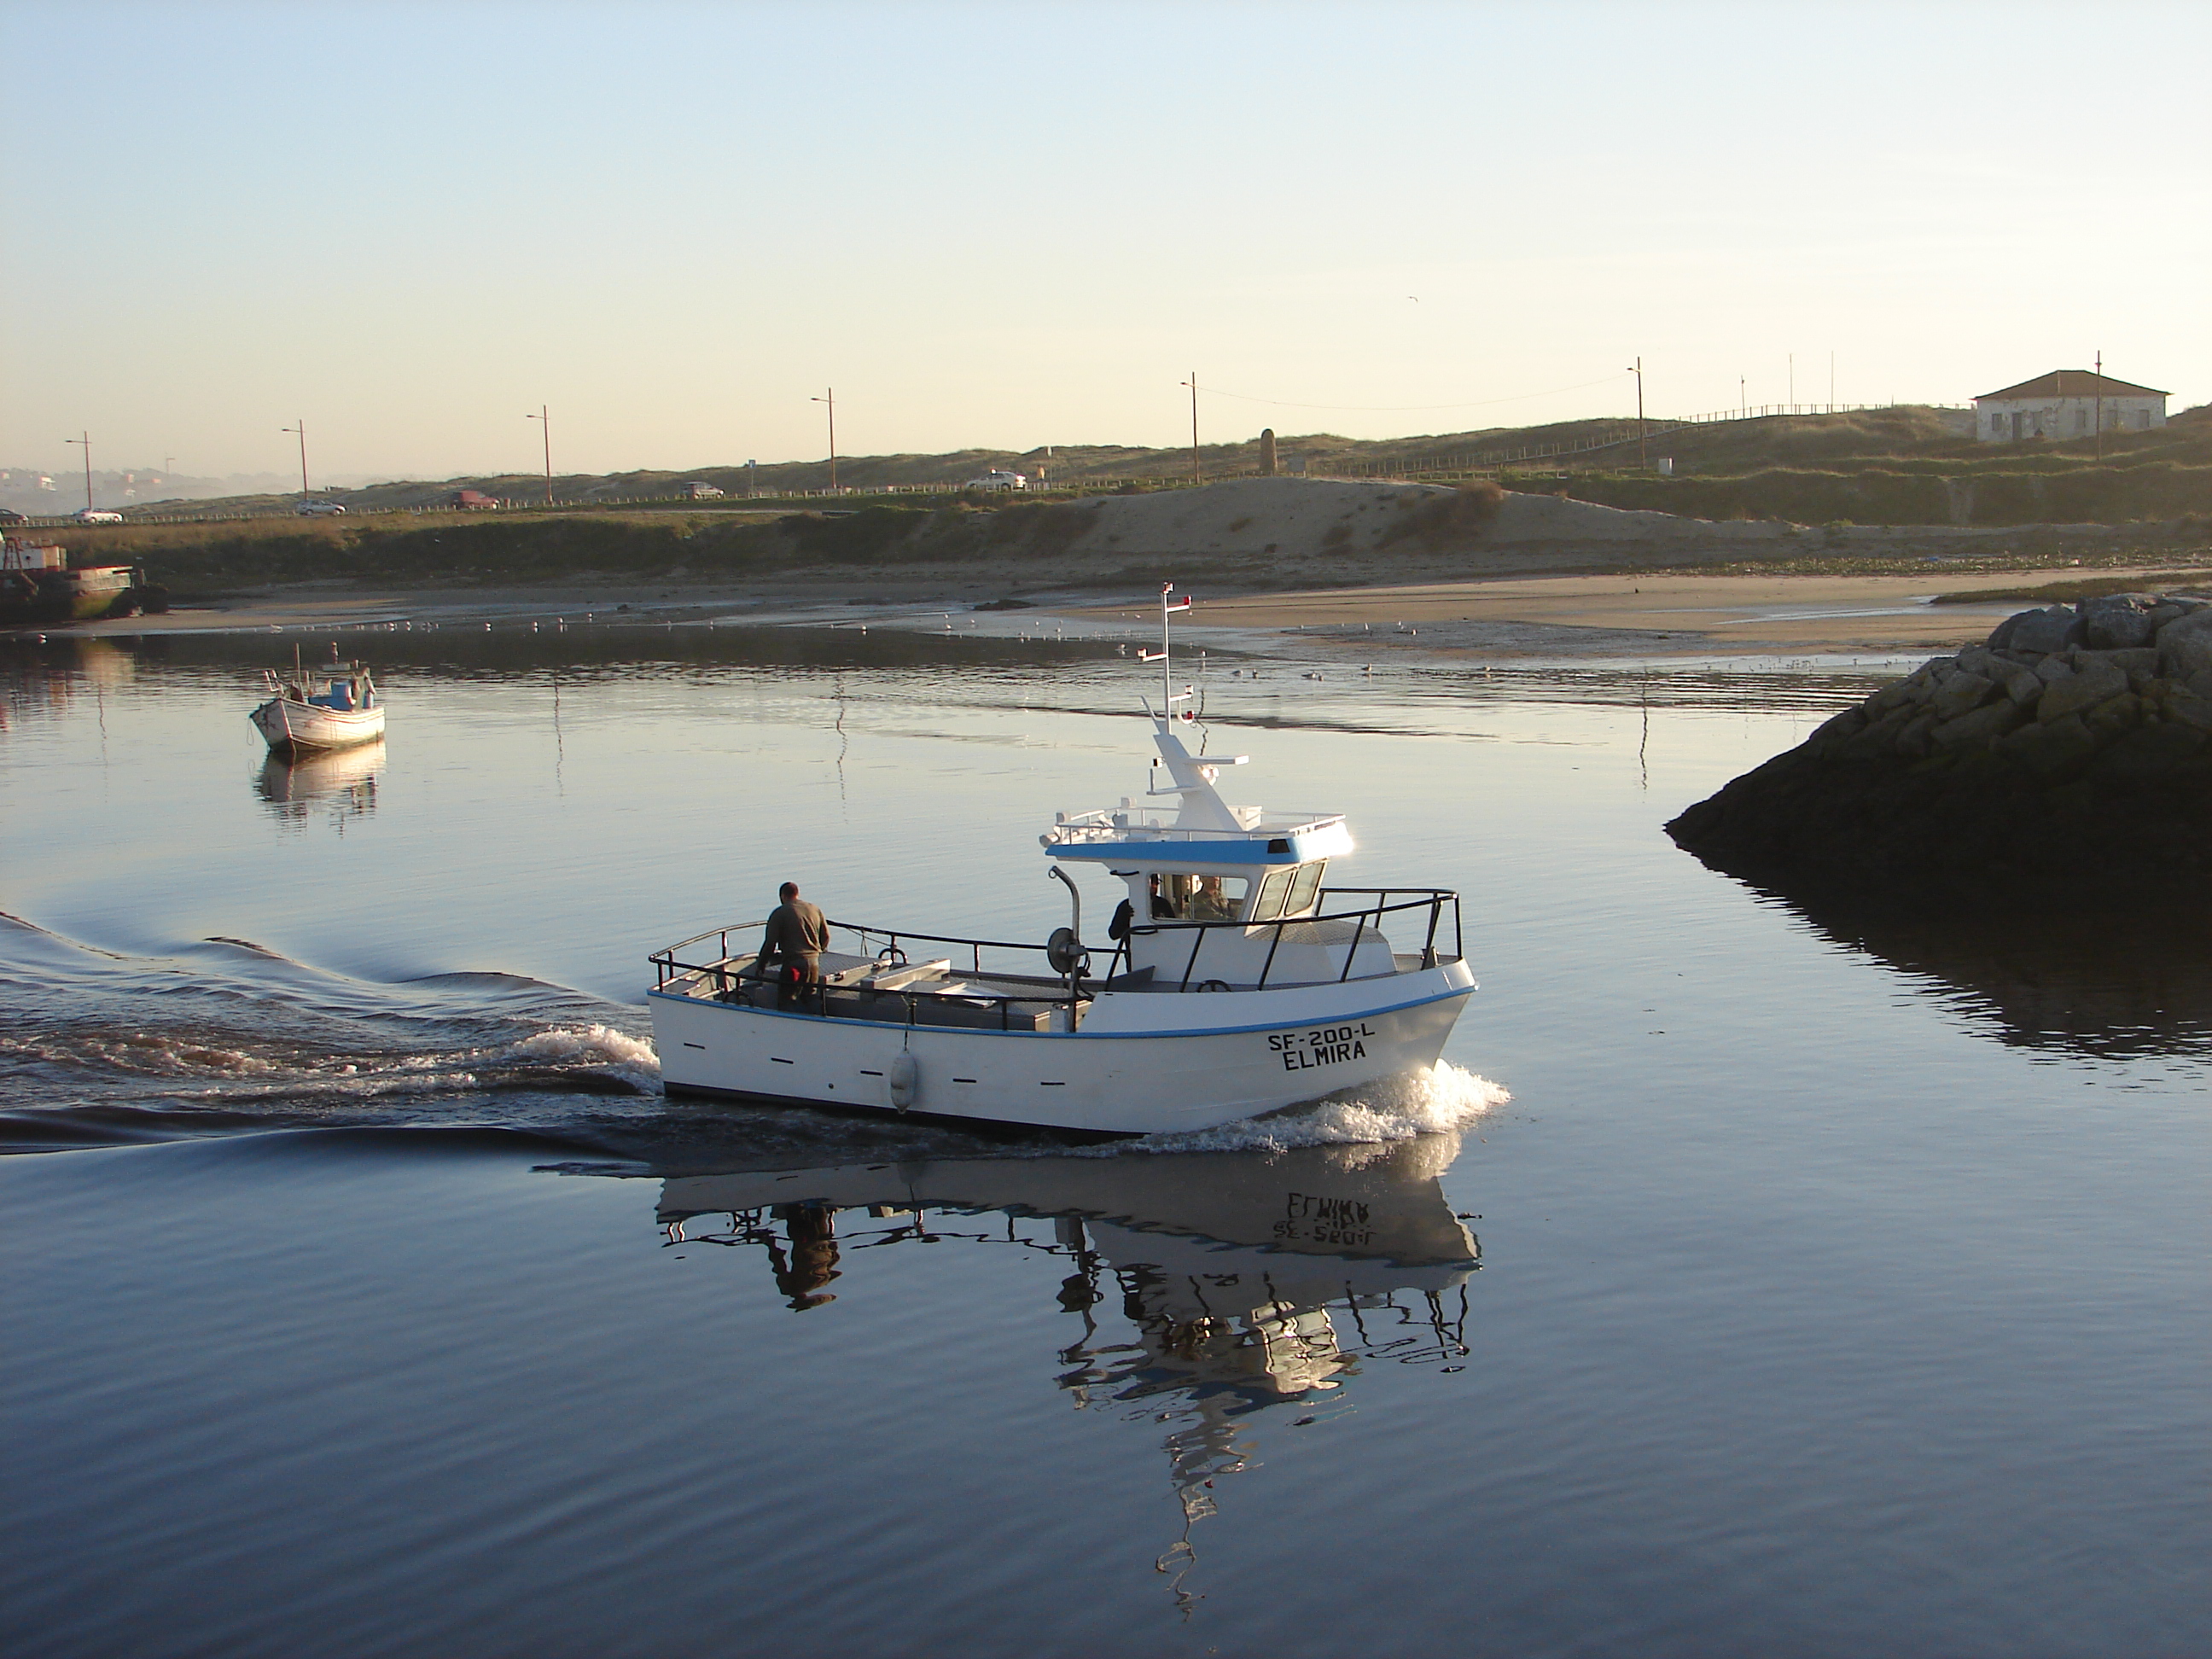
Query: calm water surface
1829	1284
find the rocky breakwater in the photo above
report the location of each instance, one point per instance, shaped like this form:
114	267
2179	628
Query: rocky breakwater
2073	747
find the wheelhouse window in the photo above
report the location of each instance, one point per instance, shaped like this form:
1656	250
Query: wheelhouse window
1194	897
1289	892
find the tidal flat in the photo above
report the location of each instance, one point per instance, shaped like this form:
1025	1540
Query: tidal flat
1749	1280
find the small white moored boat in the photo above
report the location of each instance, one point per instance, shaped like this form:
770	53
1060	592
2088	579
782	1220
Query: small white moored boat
1237	983
308	715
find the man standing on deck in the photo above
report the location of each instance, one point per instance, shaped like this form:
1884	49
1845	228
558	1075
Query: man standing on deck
796	936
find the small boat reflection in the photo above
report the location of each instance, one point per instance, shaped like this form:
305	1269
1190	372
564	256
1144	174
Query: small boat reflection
1242	1283
342	781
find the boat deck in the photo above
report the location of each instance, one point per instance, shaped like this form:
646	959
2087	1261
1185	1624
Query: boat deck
927	993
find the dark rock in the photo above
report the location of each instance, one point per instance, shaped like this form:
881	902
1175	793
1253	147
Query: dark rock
1917	739
2052	750
2187	708
1878	737
1832	733
2084	689
2023	685
1960	693
2185	645
2114	715
1944	786
2140	661
2041	632
1993	721
2118	621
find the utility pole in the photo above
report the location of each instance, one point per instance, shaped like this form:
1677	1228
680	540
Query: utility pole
1637	369
1197	476
86	440
830	397
1742	397
2100	403
1793	383
168	465
544	419
302	430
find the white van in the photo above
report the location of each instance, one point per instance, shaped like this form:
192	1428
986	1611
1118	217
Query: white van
998	481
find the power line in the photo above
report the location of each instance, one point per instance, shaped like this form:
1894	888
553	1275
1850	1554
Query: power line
1402	408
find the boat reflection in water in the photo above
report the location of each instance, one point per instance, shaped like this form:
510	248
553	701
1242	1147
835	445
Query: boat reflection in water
1243	1282
342	781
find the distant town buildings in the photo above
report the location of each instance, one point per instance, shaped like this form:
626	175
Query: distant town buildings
2066	403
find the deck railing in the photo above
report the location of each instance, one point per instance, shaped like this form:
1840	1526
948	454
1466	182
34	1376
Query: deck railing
1435	899
1052	990
1066	990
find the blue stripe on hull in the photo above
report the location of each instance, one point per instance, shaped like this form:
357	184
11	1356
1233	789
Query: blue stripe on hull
1094	1037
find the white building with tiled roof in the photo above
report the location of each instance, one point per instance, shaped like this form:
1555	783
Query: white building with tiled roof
2066	403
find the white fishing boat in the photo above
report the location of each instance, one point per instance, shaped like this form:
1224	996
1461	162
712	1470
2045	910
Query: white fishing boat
1235	983
308	715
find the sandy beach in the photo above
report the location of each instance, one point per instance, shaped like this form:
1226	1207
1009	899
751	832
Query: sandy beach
1505	618
1648	615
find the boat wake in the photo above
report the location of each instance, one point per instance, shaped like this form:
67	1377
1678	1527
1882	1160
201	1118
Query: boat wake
1441	1100
224	1036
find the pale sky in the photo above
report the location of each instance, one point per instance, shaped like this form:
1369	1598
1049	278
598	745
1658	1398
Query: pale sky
1008	226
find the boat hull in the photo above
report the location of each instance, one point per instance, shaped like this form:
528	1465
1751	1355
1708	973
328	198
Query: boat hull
1141	1063
305	728
62	596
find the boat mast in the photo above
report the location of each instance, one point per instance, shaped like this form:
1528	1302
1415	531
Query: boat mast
1169	695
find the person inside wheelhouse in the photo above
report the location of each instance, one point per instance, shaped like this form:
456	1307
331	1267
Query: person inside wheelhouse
1189	896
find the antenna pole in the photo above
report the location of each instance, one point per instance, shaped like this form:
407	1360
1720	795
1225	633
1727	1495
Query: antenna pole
1637	369
1167	668
86	440
831	399
544	419
2101	403
301	428
1197	474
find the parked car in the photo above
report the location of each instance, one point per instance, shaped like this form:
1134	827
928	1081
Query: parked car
474	500
96	515
318	509
998	481
9	515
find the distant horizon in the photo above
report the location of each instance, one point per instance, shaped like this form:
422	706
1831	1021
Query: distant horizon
677	226
276	481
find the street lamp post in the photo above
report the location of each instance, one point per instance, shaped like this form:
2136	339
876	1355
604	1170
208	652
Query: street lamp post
545	422
85	439
1637	369
830	397
302	430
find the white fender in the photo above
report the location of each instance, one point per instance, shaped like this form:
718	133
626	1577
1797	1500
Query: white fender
905	1078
